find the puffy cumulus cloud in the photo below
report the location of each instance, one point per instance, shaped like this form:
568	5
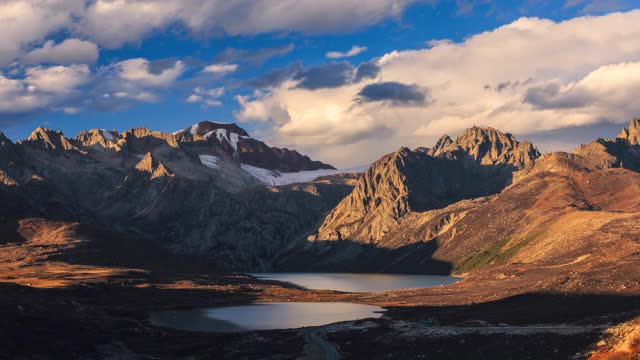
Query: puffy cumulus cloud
75	88
114	22
57	79
25	22
70	51
40	88
527	77
144	72
355	50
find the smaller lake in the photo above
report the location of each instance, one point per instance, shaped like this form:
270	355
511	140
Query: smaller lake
358	282
263	316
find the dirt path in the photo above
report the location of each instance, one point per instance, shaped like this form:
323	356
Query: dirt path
317	347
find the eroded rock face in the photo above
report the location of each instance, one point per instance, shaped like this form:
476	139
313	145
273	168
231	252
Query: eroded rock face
488	146
631	134
100	139
51	141
479	162
622	152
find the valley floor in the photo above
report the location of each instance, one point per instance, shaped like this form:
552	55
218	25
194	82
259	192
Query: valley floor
90	307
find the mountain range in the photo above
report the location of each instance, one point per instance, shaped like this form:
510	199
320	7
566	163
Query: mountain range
482	204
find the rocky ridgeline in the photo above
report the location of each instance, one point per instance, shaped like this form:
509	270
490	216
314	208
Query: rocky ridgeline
479	162
467	202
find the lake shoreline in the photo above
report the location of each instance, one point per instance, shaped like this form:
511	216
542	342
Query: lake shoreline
112	316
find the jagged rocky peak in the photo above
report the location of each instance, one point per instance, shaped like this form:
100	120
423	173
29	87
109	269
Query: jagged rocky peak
50	140
143	140
631	134
206	129
101	137
151	166
488	146
622	152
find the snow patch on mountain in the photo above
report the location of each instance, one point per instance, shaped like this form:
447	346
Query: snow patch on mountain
223	134
276	178
194	129
210	161
106	134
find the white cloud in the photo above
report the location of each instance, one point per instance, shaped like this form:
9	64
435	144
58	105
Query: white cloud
57	79
193	98
529	76
139	70
26	22
355	50
41	88
220	68
70	51
115	22
206	97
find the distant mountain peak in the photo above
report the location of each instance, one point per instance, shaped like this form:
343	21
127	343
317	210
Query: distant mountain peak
488	146
150	165
203	128
100	137
50	140
632	133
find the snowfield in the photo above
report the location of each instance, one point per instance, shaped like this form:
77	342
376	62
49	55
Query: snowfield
276	178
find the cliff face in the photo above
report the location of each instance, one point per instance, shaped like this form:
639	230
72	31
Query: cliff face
622	152
478	163
565	220
487	146
631	134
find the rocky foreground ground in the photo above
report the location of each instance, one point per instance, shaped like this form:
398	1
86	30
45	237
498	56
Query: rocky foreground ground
62	299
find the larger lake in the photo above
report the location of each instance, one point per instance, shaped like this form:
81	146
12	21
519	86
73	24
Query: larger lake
263	316
358	282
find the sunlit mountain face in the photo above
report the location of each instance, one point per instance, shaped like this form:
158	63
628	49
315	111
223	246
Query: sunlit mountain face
342	81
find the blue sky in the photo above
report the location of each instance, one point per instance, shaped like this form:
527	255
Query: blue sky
95	83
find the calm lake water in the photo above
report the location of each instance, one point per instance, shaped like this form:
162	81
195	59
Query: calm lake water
263	316
287	315
358	282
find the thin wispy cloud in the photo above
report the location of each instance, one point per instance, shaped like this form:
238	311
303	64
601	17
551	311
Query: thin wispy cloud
355	50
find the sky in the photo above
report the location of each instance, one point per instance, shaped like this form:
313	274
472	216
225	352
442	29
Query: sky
344	81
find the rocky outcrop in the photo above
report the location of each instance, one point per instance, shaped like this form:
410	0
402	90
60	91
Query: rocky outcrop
488	146
478	163
142	140
622	152
51	141
100	139
152	167
632	133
